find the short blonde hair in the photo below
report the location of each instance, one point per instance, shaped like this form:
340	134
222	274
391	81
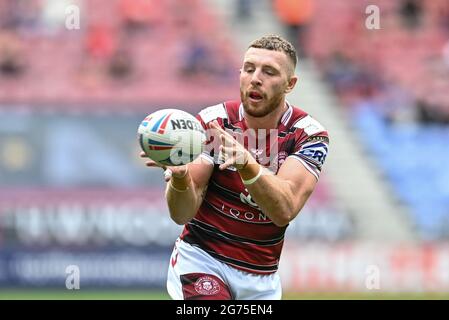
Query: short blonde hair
276	43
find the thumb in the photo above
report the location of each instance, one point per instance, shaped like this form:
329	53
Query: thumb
180	171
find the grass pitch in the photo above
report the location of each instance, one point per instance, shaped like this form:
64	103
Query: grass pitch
87	294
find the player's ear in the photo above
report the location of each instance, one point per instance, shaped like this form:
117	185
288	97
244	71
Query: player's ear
291	83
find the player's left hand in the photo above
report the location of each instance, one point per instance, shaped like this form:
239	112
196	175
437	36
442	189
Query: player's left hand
169	172
232	152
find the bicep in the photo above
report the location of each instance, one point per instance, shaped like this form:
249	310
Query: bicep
300	180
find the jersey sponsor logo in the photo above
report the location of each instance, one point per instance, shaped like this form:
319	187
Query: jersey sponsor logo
315	151
185	124
243	215
246	199
212	113
207	286
310	125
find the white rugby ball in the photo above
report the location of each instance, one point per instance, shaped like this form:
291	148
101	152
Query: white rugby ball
171	137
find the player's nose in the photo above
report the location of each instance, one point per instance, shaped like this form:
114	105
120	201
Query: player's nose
255	79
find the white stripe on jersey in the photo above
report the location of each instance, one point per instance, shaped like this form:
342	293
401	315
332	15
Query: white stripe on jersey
285	117
205	155
307	166
310	125
212	113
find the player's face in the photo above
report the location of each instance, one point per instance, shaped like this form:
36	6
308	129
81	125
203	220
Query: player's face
265	78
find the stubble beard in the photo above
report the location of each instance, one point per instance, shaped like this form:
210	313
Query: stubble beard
263	109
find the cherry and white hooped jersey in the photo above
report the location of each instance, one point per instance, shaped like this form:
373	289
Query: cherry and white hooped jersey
229	225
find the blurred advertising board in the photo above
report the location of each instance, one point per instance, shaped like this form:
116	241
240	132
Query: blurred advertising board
117	238
105	267
102	231
365	267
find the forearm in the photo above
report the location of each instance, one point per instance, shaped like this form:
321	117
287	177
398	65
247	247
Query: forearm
182	199
272	194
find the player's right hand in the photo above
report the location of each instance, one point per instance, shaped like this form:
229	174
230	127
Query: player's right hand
169	171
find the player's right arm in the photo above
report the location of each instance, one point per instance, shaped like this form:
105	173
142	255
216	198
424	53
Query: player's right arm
185	188
185	192
187	185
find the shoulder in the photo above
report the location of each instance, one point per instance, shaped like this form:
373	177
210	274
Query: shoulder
311	141
307	124
226	110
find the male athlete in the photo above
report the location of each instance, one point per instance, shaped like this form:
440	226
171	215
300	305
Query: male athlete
237	199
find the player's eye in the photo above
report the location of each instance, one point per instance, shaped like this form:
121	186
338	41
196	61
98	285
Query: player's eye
269	72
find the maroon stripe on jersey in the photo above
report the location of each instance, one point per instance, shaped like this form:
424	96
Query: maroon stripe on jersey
203	286
232	109
222	191
250	256
250	259
231	237
258	256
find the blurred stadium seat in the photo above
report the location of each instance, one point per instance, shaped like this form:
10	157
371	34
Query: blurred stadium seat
71	67
410	148
412	157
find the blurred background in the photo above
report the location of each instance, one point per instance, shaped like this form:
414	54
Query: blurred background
73	90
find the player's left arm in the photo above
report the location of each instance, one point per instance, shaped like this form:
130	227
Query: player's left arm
282	196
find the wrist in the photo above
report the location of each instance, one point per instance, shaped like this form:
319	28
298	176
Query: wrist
252	170
180	183
249	181
180	190
245	162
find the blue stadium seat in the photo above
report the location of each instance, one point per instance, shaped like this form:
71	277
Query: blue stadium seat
414	159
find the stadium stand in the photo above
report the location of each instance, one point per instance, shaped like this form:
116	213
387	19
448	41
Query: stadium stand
394	83
109	62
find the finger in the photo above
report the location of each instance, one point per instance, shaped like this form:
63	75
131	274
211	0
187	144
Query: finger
227	164
222	153
151	163
143	155
214	124
179	171
167	175
223	139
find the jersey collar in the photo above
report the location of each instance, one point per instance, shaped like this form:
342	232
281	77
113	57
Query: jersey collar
284	119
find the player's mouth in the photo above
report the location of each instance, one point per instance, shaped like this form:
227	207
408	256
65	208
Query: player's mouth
255	96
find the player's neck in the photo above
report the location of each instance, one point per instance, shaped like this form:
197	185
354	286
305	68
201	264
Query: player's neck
270	121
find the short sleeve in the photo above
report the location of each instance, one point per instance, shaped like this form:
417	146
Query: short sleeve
209	114
311	145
